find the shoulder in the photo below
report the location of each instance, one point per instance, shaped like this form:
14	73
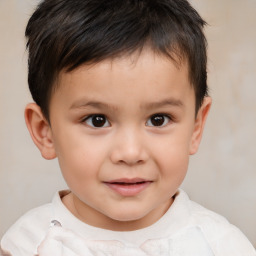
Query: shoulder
26	234
223	237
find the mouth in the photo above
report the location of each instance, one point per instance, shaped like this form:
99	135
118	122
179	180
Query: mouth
128	187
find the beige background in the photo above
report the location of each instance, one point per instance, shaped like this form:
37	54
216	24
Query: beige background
222	175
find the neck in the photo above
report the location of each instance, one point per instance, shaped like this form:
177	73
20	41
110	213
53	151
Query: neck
97	219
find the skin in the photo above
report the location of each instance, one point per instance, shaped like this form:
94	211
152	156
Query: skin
128	91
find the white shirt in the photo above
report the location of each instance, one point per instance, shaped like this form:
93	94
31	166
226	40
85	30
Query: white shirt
186	229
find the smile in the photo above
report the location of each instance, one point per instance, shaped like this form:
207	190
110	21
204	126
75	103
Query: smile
128	187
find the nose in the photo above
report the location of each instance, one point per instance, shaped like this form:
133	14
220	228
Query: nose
129	148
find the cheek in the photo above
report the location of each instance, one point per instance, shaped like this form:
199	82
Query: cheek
79	158
174	146
173	157
173	173
174	164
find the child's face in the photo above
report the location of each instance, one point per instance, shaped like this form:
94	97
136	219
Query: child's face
123	131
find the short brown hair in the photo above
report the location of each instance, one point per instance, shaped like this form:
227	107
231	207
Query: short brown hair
64	34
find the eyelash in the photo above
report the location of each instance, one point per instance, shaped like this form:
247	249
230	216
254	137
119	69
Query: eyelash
103	120
89	118
165	116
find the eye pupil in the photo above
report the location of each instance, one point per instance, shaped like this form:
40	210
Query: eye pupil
98	121
157	120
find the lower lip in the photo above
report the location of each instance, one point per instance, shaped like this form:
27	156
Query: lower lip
128	190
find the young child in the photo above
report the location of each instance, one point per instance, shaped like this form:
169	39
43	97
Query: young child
121	100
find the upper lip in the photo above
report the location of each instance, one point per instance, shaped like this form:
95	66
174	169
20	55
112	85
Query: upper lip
128	181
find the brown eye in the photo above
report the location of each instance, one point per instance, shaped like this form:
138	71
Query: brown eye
97	121
158	120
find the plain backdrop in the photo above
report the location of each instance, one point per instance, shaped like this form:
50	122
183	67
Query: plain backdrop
222	176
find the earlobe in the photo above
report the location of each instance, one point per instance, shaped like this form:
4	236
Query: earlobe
40	130
199	125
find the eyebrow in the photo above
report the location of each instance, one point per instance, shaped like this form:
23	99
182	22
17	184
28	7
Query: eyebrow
80	104
163	103
95	104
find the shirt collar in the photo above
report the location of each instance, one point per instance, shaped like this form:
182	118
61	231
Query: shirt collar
175	219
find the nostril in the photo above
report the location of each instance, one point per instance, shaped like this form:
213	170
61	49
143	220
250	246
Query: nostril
129	151
131	162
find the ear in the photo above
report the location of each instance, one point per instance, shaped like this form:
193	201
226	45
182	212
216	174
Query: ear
199	125
40	130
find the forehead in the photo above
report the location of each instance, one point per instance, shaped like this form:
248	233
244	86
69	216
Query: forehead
146	60
142	76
